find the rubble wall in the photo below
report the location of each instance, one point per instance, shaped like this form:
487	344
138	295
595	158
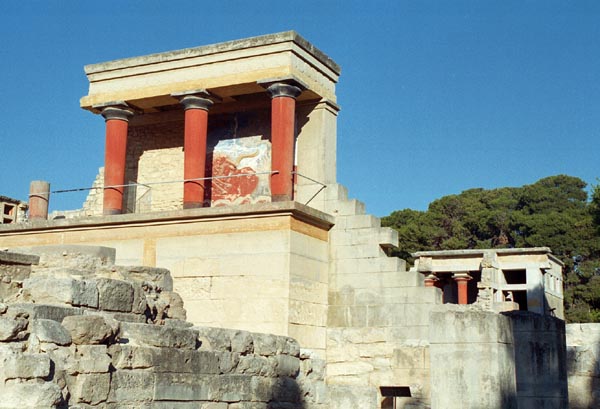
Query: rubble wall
81	332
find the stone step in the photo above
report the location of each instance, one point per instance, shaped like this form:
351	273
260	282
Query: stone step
360	221
345	207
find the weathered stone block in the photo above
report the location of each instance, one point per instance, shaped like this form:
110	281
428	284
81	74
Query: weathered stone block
25	366
287	365
255	365
62	290
265	344
131	386
50	331
16	394
13	325
242	342
89	388
114	295
214	339
92	358
182	387
47	311
87	329
157	336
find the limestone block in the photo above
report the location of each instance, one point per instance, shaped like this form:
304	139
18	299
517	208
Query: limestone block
182	387
92	358
468	325
345	207
16	394
355	251
287	366
47	311
87	329
248	405
357	221
214	339
13	325
290	346
62	290
114	295
349	368
309	336
231	388
25	366
131	386
228	362
256	365
242	342
50	331
89	388
160	277
158	336
339	316
193	288
355	397
302	312
407	357
264	344
126	356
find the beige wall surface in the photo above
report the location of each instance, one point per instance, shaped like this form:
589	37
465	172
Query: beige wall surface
263	273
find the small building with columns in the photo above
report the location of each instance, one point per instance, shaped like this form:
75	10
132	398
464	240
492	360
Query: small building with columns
526	279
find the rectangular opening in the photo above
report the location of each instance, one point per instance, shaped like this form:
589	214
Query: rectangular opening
515	276
520	297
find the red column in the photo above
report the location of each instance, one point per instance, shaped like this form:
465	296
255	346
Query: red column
39	195
283	133
462	281
195	134
430	280
117	119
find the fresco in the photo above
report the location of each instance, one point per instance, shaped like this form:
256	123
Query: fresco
235	164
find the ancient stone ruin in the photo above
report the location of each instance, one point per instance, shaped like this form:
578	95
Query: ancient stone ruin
78	331
220	177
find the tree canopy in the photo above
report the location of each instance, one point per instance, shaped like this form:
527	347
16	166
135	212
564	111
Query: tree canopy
553	212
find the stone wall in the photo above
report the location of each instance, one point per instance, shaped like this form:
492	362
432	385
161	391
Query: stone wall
81	332
540	360
378	317
583	365
472	359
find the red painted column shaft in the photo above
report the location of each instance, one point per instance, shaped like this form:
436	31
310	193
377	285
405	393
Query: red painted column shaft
283	112
194	147
39	195
283	135
196	125
462	285
114	159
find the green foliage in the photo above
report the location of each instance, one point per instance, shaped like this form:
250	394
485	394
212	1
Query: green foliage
553	212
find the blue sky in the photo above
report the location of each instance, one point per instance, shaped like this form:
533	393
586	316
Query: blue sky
437	96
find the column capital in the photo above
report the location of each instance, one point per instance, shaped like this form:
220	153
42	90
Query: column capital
462	276
430	279
120	112
283	87
196	99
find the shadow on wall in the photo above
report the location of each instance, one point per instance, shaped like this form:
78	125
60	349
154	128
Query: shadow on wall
286	394
540	360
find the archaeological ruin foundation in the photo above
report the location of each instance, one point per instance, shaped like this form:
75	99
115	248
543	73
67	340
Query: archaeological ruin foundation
217	263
